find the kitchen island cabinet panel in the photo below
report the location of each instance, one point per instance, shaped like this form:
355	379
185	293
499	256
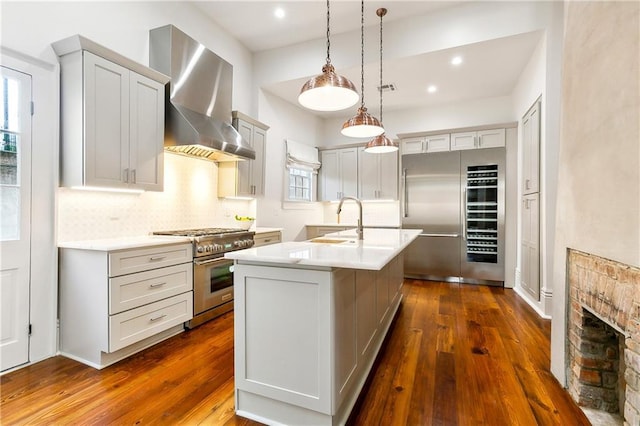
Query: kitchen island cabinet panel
306	339
280	303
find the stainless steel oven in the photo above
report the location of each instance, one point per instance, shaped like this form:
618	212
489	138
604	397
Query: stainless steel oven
212	273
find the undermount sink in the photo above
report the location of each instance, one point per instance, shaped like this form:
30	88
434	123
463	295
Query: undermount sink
322	240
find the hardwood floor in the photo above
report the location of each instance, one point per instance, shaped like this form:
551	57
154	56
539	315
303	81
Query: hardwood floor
456	355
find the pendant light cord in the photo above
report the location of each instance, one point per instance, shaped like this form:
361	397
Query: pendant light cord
362	54
381	15
328	36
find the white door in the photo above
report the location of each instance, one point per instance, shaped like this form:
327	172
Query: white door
15	213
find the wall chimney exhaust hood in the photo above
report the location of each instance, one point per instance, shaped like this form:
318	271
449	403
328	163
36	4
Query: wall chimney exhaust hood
198	98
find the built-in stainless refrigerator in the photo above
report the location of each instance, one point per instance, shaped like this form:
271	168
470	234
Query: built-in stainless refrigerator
457	198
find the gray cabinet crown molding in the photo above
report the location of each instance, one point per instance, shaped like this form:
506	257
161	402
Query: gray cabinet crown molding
78	42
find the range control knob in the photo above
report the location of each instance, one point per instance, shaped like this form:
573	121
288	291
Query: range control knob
217	248
200	249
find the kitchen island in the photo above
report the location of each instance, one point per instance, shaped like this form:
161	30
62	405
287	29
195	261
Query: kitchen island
310	318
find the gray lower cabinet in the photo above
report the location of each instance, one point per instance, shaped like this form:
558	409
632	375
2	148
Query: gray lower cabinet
266	238
530	273
114	303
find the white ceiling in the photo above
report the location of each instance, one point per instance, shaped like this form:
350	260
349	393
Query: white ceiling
489	69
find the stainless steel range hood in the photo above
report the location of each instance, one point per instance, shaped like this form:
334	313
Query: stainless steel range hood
198	101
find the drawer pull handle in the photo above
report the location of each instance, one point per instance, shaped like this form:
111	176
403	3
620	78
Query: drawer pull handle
156	258
268	240
226	296
156	285
159	317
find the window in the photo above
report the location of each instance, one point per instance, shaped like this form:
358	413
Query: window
300	184
302	166
13	106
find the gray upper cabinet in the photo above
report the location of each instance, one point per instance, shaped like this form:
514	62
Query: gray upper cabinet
377	175
112	119
338	174
245	178
531	150
433	143
477	140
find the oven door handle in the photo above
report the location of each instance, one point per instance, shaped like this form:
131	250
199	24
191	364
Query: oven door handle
210	261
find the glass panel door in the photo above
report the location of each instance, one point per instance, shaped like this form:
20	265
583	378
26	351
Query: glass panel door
482	213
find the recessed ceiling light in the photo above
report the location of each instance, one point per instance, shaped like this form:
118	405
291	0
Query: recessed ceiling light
432	89
456	60
279	13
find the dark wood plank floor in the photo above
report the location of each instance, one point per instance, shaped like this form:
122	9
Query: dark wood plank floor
456	355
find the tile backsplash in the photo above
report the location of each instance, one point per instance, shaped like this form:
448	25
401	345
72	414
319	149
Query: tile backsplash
189	200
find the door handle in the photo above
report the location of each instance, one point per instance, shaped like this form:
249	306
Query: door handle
451	235
125	175
158	318
464	214
133	176
405	207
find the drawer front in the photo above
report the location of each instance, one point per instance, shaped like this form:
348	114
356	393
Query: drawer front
137	260
129	327
133	290
266	238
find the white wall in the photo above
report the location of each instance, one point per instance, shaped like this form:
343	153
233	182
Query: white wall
189	200
531	86
598	196
30	27
287	121
468	23
451	116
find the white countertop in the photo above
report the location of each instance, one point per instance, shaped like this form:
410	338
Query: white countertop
351	225
122	243
379	246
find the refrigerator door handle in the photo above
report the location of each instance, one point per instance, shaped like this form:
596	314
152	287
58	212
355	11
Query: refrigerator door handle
405	207
464	214
452	235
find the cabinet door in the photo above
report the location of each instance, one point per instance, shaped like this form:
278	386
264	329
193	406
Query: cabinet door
368	174
388	176
437	143
530	274
330	175
412	146
531	150
243	183
146	141
491	138
259	140
106	114
349	172
460	141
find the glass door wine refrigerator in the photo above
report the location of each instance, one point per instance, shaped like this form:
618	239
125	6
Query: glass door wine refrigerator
482	245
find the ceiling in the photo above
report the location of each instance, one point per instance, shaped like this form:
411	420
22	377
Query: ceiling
489	69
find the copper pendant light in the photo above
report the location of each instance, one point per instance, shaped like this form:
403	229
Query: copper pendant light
381	143
328	91
363	124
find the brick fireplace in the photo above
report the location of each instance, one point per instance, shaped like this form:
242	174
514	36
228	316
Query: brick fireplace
604	335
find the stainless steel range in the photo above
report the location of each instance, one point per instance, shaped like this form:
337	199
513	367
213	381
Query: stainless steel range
212	273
